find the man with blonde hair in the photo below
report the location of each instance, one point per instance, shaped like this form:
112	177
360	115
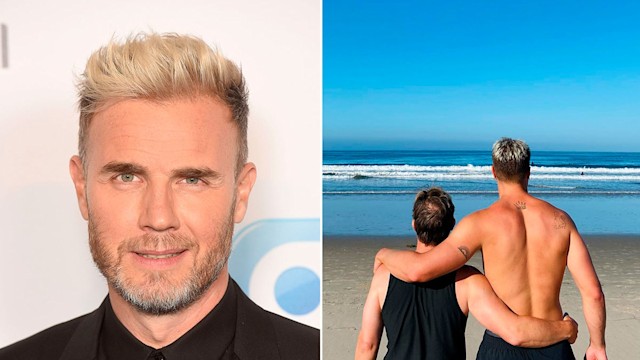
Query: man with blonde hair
161	177
526	245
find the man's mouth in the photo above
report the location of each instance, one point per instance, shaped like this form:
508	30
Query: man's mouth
149	256
159	255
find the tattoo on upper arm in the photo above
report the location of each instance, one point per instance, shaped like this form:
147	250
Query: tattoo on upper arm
559	220
465	251
520	205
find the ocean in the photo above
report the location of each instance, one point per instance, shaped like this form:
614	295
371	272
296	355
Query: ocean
371	192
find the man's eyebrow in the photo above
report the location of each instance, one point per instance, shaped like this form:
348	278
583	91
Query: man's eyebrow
123	168
203	172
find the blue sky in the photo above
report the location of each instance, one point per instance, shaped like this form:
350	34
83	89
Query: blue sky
460	74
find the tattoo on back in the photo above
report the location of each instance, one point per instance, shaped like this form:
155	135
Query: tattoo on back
559	220
465	251
520	205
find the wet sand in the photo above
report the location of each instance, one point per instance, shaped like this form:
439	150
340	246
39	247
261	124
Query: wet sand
348	263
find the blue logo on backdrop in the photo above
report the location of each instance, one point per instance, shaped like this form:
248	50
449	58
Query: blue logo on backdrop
277	262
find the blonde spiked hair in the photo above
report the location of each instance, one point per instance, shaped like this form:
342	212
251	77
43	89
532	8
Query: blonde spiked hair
161	67
511	160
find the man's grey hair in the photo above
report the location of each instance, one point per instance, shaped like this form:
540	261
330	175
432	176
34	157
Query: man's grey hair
511	160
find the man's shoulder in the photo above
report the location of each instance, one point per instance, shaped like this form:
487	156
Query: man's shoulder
479	217
499	206
381	278
466	276
465	271
263	334
47	344
299	338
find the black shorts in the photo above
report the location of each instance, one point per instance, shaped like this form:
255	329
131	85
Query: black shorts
494	348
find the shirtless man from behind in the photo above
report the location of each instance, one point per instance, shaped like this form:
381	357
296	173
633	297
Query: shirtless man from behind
428	320
526	244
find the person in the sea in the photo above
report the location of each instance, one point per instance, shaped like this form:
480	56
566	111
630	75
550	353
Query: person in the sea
161	177
428	320
526	245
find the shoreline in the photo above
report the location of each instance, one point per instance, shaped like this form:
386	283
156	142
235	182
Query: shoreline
589	238
348	263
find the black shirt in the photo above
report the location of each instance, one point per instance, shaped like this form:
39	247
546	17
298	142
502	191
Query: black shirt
424	320
211	338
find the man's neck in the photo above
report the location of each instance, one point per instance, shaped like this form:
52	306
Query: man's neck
160	331
422	248
511	189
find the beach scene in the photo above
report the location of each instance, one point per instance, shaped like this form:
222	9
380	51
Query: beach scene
416	94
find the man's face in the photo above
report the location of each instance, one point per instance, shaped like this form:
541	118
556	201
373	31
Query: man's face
161	196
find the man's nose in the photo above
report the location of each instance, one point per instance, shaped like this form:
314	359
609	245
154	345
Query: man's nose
158	209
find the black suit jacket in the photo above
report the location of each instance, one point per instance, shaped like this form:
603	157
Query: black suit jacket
259	335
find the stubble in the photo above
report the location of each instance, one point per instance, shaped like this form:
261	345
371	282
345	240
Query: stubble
159	292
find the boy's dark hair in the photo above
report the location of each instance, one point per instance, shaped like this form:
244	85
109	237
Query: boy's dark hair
433	215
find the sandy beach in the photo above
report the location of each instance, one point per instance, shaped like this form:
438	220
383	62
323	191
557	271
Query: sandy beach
348	263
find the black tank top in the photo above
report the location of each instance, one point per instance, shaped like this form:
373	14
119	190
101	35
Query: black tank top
424	320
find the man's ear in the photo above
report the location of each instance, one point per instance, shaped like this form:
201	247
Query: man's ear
493	172
413	224
244	184
80	183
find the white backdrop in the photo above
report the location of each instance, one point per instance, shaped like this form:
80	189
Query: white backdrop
46	272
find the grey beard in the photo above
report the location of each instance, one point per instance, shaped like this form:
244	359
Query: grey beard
158	295
174	299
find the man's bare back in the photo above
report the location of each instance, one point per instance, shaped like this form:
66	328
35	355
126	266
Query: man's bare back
525	242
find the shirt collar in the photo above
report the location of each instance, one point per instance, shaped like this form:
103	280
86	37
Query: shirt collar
209	339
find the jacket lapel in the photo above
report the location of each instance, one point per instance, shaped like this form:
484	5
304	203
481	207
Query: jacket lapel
255	336
83	344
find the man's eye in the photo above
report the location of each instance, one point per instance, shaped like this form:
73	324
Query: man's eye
192	180
127	177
